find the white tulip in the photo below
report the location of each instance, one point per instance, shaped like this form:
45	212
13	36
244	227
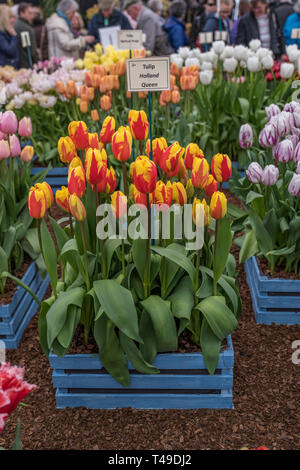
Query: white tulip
206	66
206	77
263	52
196	53
240	52
254	44
227	53
286	70
176	59
253	64
184	52
191	61
229	65
243	64
218	47
267	62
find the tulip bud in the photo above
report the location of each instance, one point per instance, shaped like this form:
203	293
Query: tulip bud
37	203
246	136
84	106
62	198
175	96
221	167
270	175
272	111
109	183
218	205
268	137
108	129
138	123
140	198
189	189
79	134
9	123
95	165
77	209
76	181
163	194
296	155
25	127
4	149
144	174
60	88
200	172
254	172
192	151
122	144
179	195
95	115
284	151
71	90
169	160
105	102
94	141
119	204
27	153
294	186
211	186
66	149
14	144
159	145
201	213
46	188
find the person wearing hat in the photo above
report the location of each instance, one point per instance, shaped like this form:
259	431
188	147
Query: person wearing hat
107	16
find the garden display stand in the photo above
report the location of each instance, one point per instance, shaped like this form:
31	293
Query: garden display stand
183	382
274	300
15	317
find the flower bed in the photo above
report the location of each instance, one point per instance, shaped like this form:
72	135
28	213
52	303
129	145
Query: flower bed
183	383
15	316
274	300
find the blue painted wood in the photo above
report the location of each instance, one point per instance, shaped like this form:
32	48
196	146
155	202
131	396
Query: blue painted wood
56	177
15	320
241	170
264	303
81	381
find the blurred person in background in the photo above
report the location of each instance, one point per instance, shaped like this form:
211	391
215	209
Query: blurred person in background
206	10
292	22
283	10
157	7
244	8
9	44
41	35
78	25
221	21
107	16
61	38
260	24
24	24
175	26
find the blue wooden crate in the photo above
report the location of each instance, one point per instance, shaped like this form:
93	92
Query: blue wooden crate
183	382
15	317
56	177
274	300
242	173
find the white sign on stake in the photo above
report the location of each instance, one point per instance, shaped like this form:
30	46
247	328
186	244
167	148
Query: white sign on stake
130	39
25	39
109	36
206	38
295	33
221	36
151	74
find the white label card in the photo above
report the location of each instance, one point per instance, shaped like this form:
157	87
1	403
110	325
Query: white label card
109	36
151	74
221	35
295	33
206	38
25	39
130	39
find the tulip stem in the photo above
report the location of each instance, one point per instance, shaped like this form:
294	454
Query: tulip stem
215	257
197	275
71	225
141	147
147	263
87	280
123	258
125	181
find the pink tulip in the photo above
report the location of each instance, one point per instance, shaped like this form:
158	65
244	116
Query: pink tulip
25	127
4	149
14	143
9	122
3	136
27	153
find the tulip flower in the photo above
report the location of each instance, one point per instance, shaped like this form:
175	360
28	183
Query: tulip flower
192	151
140	198
296	155
95	115
211	186
66	149
109	183
218	205
221	167
4	149
165	97
175	96
246	136
105	102
272	111
268	137
60	87
189	189
286	70
122	144
294	185
94	141
270	175
138	123
201	213
84	106
108	129
169	160
25	127
200	172
159	145
181	173
27	153
62	198
284	151
74	163
13	388
163	194
76	181
144	174
179	195
46	188
79	134
95	165
37	203
9	123
119	204
254	172
77	208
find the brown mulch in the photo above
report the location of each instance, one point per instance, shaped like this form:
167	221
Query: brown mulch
10	286
278	272
266	401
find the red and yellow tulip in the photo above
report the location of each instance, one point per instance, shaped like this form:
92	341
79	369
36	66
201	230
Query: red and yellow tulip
218	205
77	208
76	181
79	134
95	165
221	167
62	198
144	174
192	151
169	161
179	195
108	129
66	149
138	123
37	203
159	145
122	144
211	186
163	194
200	172
47	191
201	213
119	204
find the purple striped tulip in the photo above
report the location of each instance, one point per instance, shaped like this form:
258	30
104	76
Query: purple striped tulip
272	111
270	175
254	172
294	186
284	151
268	137
246	136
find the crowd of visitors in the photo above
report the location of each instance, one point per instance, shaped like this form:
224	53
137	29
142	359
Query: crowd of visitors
166	25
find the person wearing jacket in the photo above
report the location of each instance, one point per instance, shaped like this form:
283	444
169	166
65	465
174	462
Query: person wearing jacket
244	8
219	22
283	10
61	39
24	25
107	16
9	44
260	24
175	27
207	9
292	22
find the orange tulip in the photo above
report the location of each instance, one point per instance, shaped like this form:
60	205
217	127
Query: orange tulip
174	69
221	167
27	153
119	204
76	181
62	198
211	186
37	203
84	106
138	123
105	102
179	195
192	151
47	191
95	115
90	93
122	144
218	205
77	209
200	172
95	165
79	134
60	87
71	89
142	94
121	67
108	129
144	174
175	96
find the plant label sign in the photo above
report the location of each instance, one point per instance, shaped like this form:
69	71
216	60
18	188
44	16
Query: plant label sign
130	39
295	33
109	36
25	39
151	74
